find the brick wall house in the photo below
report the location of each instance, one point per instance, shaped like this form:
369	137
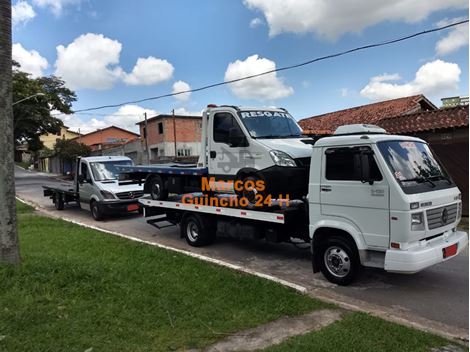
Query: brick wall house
161	133
106	137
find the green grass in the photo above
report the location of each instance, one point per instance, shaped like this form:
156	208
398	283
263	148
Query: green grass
78	289
23	208
361	332
23	164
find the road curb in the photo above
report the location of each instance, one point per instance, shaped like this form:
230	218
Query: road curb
322	294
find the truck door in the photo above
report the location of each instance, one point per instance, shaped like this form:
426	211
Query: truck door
343	194
85	187
225	159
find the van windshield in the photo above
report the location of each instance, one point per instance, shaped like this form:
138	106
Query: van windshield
106	170
413	163
270	124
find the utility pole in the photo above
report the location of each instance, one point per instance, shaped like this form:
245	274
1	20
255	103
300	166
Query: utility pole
9	246
147	152
174	130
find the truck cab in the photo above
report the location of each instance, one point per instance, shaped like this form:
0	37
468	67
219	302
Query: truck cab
382	201
98	189
258	144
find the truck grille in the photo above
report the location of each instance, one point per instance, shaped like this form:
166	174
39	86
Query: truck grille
441	216
303	162
130	195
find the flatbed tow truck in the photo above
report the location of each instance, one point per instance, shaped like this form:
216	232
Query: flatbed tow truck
374	200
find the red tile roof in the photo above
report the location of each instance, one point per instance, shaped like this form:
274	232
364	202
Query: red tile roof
371	113
426	120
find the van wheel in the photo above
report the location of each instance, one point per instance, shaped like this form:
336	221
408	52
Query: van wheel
58	201
339	260
197	232
157	188
252	194
96	211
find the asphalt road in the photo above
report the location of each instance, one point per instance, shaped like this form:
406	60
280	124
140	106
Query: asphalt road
436	298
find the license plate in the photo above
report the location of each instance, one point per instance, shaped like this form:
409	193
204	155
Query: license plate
132	207
449	251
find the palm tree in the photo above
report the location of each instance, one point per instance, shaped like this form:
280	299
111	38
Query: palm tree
9	250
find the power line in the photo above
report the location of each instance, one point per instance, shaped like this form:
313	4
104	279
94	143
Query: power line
349	51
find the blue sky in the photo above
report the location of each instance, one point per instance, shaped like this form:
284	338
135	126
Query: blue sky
95	46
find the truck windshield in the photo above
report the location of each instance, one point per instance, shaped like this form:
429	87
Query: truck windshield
270	124
106	170
413	164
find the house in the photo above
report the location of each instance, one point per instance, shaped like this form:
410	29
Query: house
172	136
49	139
371	113
106	137
454	101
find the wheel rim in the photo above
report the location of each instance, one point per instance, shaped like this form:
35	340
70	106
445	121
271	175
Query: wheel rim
94	211
156	190
337	261
250	195
192	231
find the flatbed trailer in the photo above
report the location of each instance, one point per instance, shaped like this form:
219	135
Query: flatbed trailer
201	223
61	195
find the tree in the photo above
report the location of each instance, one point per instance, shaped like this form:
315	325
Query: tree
9	249
32	117
69	150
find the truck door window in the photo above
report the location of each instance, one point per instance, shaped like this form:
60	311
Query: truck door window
223	122
84	171
344	164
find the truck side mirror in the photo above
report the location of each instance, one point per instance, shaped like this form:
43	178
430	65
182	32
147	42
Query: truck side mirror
236	138
365	168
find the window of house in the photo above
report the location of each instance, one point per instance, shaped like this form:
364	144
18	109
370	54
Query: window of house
160	128
183	152
223	122
154	153
344	164
162	152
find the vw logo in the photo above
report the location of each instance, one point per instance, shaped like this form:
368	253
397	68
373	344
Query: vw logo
444	216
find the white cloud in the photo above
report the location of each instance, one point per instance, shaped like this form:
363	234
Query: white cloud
266	87
181	86
184	112
128	115
56	6
30	61
90	61
433	78
21	13
456	38
344	92
148	71
256	22
78	123
332	18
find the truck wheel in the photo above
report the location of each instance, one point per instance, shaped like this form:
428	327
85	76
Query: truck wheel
58	201
196	231
339	260
251	194
158	189
96	211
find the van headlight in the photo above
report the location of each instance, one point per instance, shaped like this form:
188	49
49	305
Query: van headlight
107	195
282	159
417	221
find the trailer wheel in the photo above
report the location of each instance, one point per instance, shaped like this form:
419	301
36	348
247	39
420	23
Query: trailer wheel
96	211
339	260
157	188
58	201
197	231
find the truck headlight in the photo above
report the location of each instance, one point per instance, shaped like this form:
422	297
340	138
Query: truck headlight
417	222
282	159
107	195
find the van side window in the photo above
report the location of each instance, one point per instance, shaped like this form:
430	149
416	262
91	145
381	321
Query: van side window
223	122
84	171
344	164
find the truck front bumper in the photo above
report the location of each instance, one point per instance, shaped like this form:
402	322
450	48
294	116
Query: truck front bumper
423	256
119	206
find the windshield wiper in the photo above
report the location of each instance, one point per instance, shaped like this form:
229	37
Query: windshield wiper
442	177
420	179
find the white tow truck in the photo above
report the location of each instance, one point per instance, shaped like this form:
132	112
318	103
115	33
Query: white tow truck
374	200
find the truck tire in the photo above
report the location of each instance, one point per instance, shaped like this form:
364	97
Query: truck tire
157	188
197	232
96	212
251	195
58	201
339	260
